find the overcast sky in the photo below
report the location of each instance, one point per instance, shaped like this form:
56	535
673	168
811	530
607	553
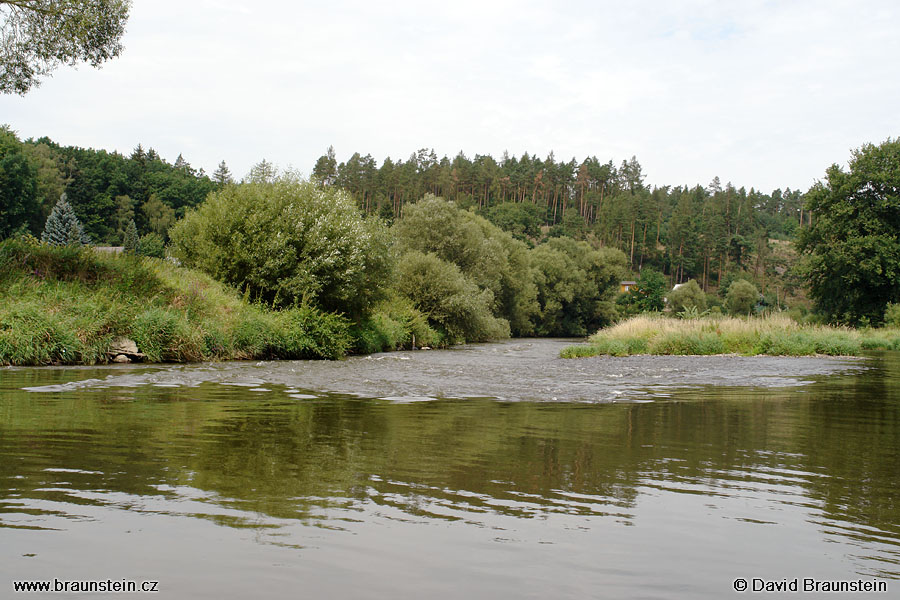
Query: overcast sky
760	93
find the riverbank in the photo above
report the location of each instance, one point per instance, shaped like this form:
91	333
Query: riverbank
775	335
65	305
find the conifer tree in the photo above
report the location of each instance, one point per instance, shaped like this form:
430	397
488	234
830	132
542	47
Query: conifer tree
63	227
131	238
222	175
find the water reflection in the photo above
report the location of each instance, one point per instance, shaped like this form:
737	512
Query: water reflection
741	482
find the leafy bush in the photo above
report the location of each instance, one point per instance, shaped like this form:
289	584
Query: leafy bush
307	332
286	242
487	256
647	295
892	315
687	295
152	245
741	297
395	323
576	284
451	302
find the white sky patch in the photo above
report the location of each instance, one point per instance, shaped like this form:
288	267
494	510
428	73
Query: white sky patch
760	93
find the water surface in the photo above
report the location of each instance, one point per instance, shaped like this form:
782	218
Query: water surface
495	470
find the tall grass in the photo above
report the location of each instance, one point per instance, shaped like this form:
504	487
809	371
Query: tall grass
776	335
62	305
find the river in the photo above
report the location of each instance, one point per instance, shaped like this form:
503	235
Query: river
485	471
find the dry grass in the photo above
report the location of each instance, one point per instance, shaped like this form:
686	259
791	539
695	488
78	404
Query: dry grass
774	335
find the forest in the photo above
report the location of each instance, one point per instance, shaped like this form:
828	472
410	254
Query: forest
685	232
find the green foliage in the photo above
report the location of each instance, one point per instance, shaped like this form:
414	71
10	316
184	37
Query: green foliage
102	188
65	305
522	220
307	332
20	206
165	334
687	295
451	302
691	312
288	242
158	216
572	225
130	241
852	247
576	284
741	297
395	324
486	256
40	35
892	314
48	263
682	231
63	228
151	244
647	295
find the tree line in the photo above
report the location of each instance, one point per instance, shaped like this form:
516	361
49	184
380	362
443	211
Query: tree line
105	189
687	232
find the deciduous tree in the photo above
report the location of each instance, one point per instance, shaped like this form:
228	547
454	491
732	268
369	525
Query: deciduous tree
36	36
853	244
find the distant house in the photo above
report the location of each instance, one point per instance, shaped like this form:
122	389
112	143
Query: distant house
625	286
109	249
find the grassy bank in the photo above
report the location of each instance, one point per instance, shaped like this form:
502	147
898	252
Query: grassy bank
774	335
62	305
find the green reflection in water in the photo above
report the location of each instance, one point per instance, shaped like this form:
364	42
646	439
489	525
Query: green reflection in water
266	461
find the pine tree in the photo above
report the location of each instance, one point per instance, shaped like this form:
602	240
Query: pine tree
63	227
222	174
131	238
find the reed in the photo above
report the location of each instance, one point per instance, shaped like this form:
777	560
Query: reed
776	335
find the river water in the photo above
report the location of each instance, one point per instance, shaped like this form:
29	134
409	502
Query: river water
486	471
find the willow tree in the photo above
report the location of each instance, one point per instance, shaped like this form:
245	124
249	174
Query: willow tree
37	36
287	241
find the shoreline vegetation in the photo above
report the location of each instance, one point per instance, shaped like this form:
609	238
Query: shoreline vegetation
277	266
774	335
66	305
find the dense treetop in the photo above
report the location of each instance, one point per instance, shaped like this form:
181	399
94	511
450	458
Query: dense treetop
105	189
853	246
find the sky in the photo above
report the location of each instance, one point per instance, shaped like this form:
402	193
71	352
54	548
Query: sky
763	94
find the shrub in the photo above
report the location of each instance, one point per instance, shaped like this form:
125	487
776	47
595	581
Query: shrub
394	324
741	297
892	315
451	302
130	240
307	332
152	245
487	256
288	242
647	295
687	295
